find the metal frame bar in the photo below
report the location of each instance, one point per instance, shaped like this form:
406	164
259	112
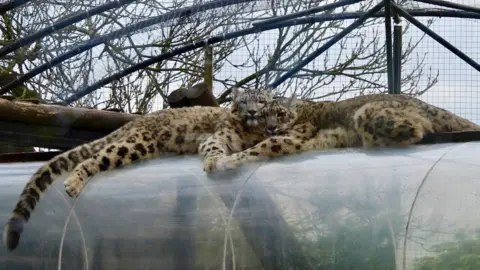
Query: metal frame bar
311	11
381	14
313	19
327	45
192	46
182	12
4	7
435	36
143	24
397	59
89	89
178	51
388	44
450	5
264	26
60	24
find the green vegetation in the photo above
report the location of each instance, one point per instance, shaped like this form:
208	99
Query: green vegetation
461	254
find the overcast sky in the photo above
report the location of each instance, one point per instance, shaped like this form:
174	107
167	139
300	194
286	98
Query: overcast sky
456	89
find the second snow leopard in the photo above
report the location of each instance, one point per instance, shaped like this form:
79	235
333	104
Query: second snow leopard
376	120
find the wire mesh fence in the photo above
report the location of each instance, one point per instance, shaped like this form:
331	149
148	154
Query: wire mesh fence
103	43
80	43
455	88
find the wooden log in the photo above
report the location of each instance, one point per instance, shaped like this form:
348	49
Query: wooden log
197	95
19	92
52	126
177	98
53	137
58	127
6	147
208	68
28	156
60	116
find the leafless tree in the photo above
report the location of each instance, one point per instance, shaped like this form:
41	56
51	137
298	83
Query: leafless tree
357	62
259	58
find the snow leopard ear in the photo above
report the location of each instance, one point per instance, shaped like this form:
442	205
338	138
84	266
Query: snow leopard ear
291	102
237	92
268	91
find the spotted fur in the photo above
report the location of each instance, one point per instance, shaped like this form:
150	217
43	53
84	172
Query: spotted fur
377	120
179	130
233	138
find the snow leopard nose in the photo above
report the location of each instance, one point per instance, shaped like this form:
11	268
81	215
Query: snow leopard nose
252	112
271	127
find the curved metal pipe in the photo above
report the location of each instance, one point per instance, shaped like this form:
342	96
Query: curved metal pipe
4	7
312	19
187	11
60	24
328	44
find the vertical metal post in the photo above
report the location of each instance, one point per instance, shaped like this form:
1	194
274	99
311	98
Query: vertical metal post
435	36
309	58
208	68
397	59
388	45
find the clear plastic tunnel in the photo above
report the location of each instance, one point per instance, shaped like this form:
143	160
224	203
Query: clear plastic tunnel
342	209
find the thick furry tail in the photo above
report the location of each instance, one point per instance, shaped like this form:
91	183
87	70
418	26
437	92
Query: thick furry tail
11	232
36	187
39	182
44	177
28	199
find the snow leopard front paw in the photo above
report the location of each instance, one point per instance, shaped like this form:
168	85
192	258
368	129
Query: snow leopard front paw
227	163
73	185
209	164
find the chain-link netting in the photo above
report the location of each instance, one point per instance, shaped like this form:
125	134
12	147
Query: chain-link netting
79	54
58	49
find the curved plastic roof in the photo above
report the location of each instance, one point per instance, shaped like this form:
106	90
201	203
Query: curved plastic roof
312	211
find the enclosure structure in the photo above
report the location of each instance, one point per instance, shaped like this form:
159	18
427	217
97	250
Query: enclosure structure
395	14
392	12
335	209
386	209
